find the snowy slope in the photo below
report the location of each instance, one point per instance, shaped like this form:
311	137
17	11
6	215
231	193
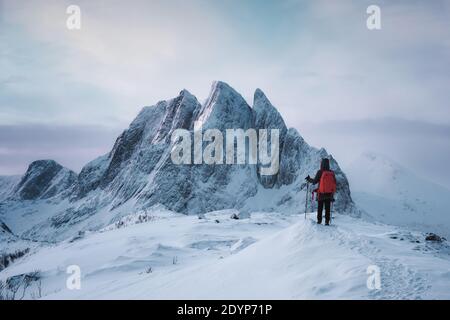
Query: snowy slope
392	194
7	184
266	256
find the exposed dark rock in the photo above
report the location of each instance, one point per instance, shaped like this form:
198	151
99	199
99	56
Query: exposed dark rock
434	238
45	179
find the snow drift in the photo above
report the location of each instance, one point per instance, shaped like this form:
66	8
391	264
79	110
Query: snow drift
268	256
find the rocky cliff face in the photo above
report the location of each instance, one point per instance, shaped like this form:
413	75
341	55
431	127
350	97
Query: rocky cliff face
45	179
267	117
139	171
216	186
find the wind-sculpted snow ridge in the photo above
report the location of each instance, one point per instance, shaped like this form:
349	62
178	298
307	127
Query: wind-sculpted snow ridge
138	173
267	256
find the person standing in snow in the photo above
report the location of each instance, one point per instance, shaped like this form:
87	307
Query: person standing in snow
325	190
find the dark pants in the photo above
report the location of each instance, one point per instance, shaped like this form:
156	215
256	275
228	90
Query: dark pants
327	204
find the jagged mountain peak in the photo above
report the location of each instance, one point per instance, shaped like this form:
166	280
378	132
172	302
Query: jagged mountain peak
45	179
266	115
147	113
151	114
142	144
294	133
39	164
186	93
259	95
222	86
225	108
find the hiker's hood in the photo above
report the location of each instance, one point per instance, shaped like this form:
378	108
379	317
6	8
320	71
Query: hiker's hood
325	164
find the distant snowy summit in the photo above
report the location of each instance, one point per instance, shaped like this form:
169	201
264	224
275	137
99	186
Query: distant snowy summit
139	173
391	193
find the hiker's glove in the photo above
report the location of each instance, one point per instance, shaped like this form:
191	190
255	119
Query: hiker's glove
308	178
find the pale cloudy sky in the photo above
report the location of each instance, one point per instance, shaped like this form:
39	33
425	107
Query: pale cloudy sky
67	94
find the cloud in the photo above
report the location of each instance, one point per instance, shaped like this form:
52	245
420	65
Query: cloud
72	146
124	57
308	55
356	73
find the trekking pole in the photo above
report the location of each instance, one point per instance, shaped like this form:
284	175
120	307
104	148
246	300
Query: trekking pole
331	210
306	200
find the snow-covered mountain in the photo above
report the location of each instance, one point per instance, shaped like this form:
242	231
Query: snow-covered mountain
139	226
45	179
392	194
51	202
